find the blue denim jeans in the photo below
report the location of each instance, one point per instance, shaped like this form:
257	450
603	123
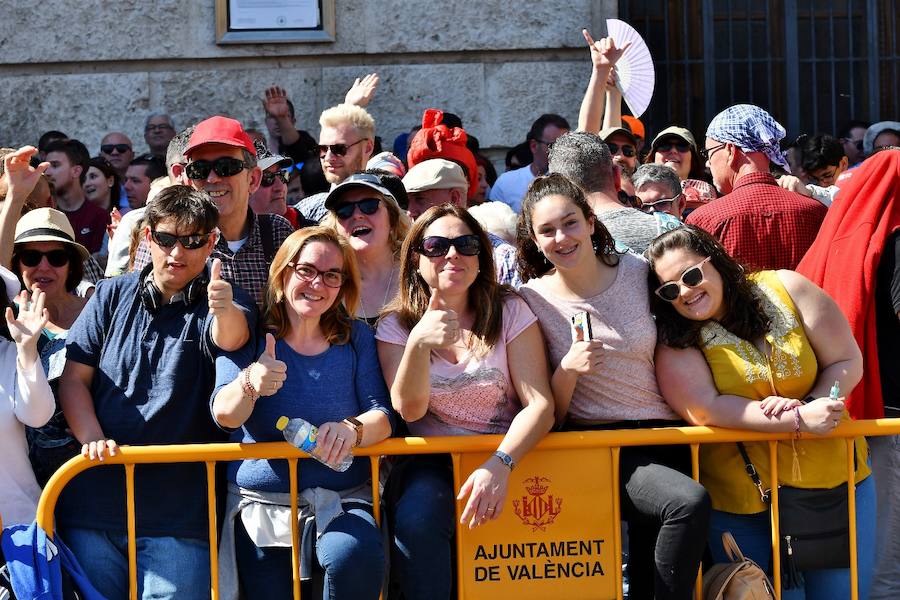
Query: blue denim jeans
886	472
350	551
167	567
753	535
421	505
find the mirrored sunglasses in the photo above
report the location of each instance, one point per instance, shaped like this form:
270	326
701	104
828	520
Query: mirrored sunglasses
268	178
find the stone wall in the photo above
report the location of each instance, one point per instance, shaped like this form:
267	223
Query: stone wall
87	67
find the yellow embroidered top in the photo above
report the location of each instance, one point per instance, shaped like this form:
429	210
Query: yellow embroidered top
790	370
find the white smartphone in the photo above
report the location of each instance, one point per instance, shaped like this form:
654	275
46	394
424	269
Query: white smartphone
581	321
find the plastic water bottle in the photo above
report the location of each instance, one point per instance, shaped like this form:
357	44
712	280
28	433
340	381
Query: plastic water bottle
303	434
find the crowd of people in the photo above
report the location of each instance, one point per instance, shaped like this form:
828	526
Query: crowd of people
228	277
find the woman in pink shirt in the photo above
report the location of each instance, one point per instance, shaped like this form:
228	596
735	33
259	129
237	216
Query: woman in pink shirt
462	355
604	377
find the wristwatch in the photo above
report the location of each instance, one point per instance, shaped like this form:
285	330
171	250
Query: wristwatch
357	426
506	459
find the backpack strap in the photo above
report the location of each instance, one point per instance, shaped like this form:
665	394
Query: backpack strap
267	236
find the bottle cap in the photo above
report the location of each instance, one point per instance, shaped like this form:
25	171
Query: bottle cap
281	423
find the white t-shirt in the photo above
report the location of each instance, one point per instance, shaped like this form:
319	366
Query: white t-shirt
25	399
511	186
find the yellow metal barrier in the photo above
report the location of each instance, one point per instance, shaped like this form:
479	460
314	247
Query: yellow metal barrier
466	453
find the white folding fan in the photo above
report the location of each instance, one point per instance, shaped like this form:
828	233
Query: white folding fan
635	69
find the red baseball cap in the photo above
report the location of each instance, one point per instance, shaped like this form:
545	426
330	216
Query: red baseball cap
220	130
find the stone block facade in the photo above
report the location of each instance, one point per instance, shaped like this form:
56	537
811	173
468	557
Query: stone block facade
87	67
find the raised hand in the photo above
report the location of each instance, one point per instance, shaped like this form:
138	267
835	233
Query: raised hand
821	415
33	317
584	356
20	176
267	374
604	53
115	217
276	103
218	291
363	90
438	327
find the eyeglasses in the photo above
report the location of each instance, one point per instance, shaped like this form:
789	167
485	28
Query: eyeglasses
337	149
692	277
706	153
189	242
436	245
548	144
268	178
367	206
160	127
224	166
120	148
32	258
678	145
651	206
308	273
627	150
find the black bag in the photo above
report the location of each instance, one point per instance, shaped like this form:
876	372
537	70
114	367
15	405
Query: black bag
813	526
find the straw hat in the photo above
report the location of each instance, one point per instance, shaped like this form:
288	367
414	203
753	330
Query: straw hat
47	225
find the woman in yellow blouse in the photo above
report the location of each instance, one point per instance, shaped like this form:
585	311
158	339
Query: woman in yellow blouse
758	351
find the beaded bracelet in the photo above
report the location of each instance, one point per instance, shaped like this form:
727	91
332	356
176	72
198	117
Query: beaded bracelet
247	387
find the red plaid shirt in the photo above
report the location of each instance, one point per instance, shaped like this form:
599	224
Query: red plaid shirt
761	224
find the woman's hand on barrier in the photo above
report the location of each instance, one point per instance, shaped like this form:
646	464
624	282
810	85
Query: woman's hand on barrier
97	449
773	406
486	488
438	328
334	442
267	374
821	415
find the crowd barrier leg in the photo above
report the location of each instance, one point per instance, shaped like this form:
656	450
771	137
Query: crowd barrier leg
695	474
460	588
617	518
851	510
213	531
773	515
295	528
132	528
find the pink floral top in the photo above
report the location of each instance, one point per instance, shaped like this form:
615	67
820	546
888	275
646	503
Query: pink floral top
475	395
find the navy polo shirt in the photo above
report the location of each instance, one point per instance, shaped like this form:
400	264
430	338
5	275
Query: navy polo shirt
154	373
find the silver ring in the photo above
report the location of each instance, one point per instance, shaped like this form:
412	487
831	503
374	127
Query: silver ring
490	509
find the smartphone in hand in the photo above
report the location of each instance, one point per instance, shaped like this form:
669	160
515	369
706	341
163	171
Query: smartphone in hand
581	321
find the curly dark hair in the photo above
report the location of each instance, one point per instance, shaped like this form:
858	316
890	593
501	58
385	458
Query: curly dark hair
744	315
531	261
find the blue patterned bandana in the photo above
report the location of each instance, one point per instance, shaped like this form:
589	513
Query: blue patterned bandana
751	129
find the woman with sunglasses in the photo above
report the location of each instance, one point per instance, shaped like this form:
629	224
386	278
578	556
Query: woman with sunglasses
320	365
603	377
366	213
676	148
758	351
462	356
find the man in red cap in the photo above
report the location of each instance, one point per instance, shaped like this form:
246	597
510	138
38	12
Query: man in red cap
222	162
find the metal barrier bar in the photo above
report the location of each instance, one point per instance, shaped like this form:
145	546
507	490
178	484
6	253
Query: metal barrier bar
129	456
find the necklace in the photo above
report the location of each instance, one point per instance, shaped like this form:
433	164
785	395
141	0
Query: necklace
387	290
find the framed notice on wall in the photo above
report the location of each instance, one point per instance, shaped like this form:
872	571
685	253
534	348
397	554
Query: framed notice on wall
274	21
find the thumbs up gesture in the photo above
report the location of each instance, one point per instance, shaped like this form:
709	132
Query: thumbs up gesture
584	356
267	374
218	292
438	327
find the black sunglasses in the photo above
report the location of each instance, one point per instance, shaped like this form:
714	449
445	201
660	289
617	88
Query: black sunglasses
436	245
705	153
367	206
627	150
32	258
224	166
680	146
120	148
692	277
268	178
337	149
189	242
